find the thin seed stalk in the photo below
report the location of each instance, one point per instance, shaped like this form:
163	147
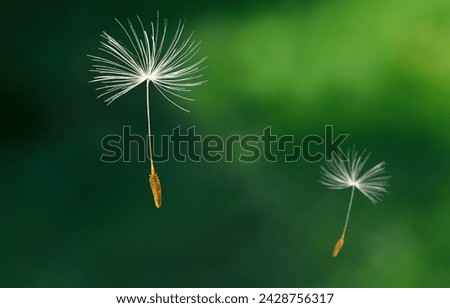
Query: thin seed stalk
340	242
155	184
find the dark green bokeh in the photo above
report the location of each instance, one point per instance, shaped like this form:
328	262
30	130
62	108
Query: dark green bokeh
379	71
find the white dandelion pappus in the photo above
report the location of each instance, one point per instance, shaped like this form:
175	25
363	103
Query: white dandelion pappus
342	174
122	69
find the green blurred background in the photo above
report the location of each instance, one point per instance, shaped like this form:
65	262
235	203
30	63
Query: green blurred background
376	70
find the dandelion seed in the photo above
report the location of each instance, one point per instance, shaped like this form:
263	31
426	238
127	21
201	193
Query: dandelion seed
170	68
338	247
155	186
341	175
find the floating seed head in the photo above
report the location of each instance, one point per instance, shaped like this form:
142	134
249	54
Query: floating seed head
148	56
340	174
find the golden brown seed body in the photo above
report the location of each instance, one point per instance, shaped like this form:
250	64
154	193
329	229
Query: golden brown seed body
155	185
338	247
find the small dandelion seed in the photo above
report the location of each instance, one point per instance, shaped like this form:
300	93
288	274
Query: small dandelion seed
169	67
338	247
155	186
340	175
